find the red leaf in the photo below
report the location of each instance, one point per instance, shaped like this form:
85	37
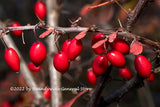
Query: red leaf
136	48
99	43
85	10
112	36
69	103
46	33
81	34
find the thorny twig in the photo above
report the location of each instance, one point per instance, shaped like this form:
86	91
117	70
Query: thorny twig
144	40
137	80
98	90
133	16
131	20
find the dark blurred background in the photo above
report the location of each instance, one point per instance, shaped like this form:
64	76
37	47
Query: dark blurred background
104	17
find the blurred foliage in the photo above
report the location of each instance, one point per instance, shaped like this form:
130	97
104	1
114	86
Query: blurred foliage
104	17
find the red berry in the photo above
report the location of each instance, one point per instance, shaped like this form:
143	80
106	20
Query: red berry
100	65
47	93
125	73
65	46
60	62
151	78
143	66
37	53
17	33
101	48
120	45
116	58
33	67
74	49
12	59
40	9
91	77
6	104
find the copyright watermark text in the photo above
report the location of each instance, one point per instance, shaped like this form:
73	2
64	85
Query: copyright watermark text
52	89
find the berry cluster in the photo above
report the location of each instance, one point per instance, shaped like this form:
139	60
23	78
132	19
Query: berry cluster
37	55
37	51
70	50
107	53
115	57
40	12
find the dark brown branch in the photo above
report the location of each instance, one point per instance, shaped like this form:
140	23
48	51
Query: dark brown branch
135	82
99	88
148	42
133	16
143	40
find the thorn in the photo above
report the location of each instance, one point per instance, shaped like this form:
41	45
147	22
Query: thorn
74	23
70	21
78	19
120	24
23	38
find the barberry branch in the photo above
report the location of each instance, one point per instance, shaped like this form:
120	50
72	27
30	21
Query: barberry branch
24	69
127	34
142	39
99	88
133	15
135	82
31	27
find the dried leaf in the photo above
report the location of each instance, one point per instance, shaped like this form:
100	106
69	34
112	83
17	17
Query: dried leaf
69	103
81	34
103	4
113	36
136	48
99	43
46	33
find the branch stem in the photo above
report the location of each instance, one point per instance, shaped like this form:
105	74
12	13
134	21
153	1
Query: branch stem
144	40
132	18
135	82
99	88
